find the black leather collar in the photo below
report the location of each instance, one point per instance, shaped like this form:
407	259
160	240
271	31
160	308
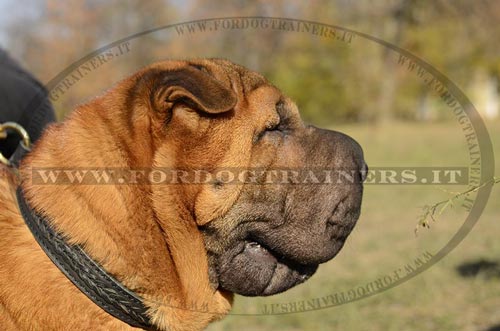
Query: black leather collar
82	271
85	273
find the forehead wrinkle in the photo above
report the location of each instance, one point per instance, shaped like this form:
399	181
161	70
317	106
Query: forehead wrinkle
249	80
252	82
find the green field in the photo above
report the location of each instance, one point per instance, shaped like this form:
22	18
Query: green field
441	298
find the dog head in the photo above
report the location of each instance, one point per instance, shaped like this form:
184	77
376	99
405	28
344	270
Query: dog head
262	235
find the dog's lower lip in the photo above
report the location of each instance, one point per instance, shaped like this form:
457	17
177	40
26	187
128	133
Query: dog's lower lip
259	252
267	252
257	270
293	269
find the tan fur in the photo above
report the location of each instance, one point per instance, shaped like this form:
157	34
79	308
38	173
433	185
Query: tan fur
146	236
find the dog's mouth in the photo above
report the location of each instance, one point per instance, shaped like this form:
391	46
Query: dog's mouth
262	260
264	251
254	269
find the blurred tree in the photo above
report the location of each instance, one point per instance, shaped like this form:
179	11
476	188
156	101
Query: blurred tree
60	33
332	81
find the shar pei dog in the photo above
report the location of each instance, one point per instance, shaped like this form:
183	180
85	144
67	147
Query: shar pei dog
221	189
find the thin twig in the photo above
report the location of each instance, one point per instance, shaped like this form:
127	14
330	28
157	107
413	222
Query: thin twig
431	212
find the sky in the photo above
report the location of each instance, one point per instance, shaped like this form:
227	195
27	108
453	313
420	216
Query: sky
3	20
11	10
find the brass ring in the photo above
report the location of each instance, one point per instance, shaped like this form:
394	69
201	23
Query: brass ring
19	130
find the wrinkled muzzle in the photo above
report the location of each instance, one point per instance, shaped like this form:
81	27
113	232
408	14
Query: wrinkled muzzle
281	231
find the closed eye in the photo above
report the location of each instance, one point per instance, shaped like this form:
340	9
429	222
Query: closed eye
272	127
258	137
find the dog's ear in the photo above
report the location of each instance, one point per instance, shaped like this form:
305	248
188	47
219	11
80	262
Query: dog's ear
193	87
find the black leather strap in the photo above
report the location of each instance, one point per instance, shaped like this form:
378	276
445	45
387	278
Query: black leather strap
25	101
85	273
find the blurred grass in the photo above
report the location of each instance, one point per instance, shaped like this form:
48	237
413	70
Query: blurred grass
440	298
